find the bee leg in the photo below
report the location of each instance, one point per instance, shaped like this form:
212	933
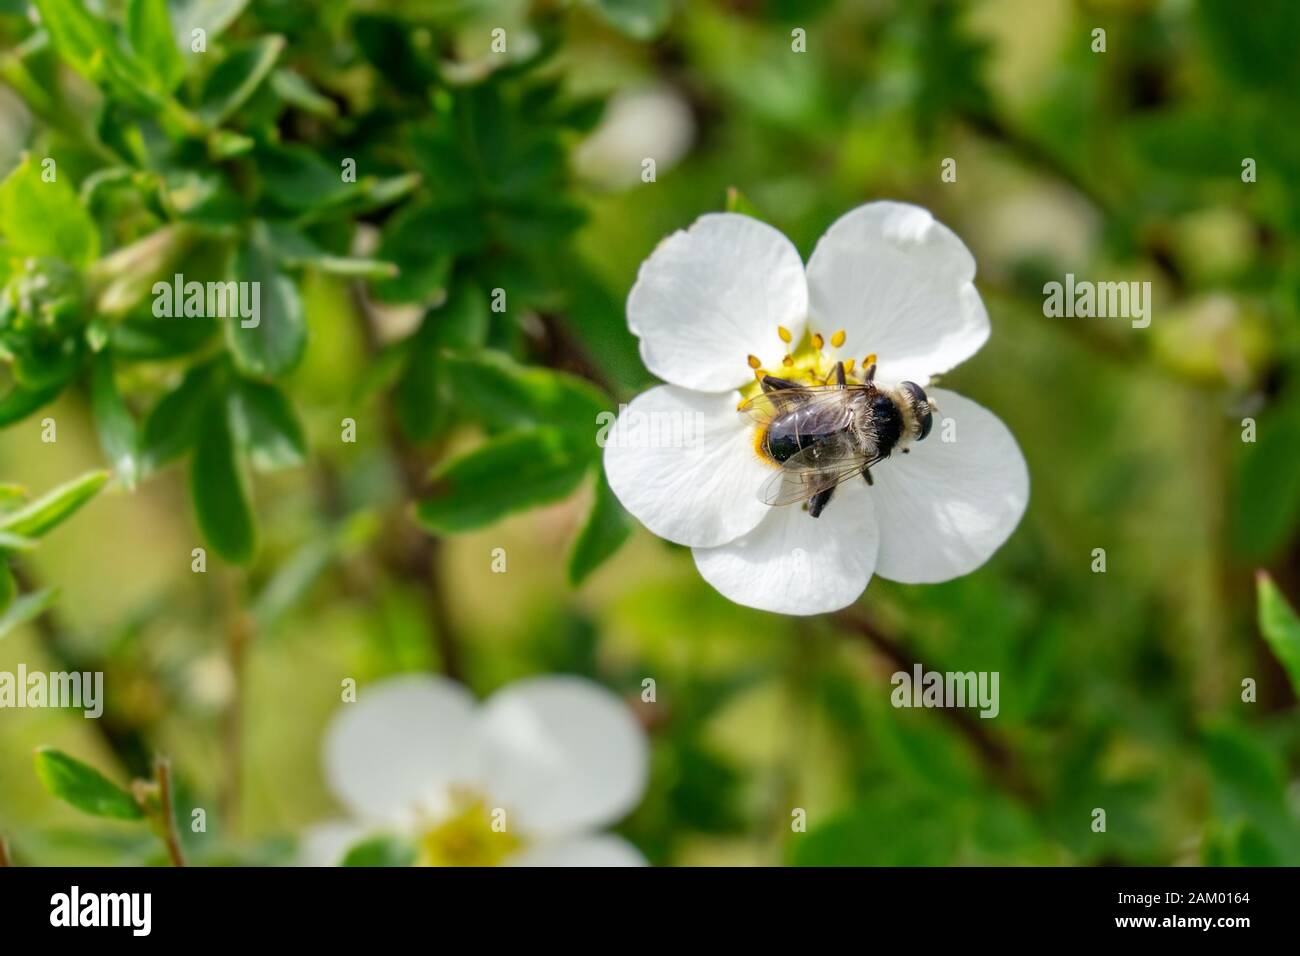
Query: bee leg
866	474
771	383
870	373
839	374
819	501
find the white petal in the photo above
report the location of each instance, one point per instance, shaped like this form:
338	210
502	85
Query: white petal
325	844
714	294
945	507
796	564
900	285
402	739
684	464
562	755
603	850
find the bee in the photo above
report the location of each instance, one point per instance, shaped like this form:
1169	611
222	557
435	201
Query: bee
823	435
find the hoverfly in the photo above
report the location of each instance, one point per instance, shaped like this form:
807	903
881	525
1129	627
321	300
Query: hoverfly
822	435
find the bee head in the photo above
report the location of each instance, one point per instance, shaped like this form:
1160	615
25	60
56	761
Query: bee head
920	408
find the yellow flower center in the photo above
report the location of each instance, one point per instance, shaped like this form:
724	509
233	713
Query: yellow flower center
811	362
472	834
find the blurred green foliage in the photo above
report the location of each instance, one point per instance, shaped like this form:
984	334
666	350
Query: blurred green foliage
440	331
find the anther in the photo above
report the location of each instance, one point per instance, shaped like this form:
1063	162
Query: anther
848	365
837	339
788	361
869	360
782	331
753	361
818	341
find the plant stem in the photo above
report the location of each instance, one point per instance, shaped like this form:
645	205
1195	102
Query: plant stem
171	836
1002	762
419	560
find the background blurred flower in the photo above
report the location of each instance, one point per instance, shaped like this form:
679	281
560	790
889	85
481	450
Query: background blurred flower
528	778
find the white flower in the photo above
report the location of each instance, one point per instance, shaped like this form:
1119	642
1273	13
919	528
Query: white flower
528	778
886	284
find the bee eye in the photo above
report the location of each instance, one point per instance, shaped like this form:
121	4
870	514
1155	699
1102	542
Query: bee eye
920	407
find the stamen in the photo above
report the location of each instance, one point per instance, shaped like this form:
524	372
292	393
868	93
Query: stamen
817	341
753	361
838	338
788	361
869	360
759	373
782	331
848	366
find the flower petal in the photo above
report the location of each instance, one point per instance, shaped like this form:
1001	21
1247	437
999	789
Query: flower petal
795	564
684	464
603	850
402	739
900	284
325	844
714	294
562	754
948	505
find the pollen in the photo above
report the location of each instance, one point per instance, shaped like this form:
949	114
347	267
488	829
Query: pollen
782	331
818	342
837	339
753	361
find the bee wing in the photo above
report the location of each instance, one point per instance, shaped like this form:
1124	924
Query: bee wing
813	470
765	406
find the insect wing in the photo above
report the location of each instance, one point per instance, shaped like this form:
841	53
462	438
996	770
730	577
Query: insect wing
764	407
814	470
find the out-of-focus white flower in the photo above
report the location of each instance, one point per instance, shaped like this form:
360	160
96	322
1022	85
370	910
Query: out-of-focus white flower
528	778
729	301
652	123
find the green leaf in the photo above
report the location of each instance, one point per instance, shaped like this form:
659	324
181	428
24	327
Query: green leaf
210	16
27	607
19	402
83	786
382	850
117	431
295	251
422	397
506	474
607	527
88	45
505	394
265	426
172	428
220	491
638	19
237	77
276	343
45	219
297	179
1280	626
149	28
11	542
46	512
296	91
12	496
